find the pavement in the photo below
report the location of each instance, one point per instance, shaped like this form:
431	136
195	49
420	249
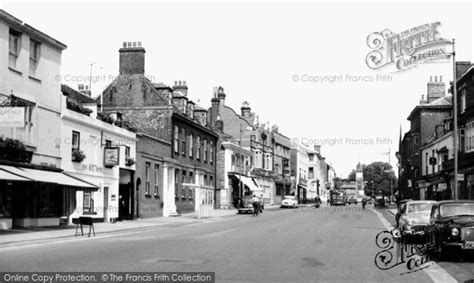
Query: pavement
35	235
15	237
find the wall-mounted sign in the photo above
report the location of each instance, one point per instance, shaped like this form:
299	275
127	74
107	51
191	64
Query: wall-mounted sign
12	117
111	156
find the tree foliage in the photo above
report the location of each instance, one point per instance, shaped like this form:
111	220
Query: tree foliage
377	176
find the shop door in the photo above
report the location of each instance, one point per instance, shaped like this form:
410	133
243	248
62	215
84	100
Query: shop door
106	204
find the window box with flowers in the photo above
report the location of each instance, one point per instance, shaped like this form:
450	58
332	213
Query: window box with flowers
129	161
78	155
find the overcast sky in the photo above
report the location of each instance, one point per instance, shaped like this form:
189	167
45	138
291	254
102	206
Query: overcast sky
255	51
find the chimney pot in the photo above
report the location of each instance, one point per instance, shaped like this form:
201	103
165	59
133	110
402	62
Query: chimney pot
184	82
440	78
431	79
436	79
129	44
134	44
139	44
124	44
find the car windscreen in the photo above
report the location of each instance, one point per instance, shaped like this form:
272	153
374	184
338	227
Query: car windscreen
453	209
419	207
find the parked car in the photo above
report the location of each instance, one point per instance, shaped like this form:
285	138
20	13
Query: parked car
379	201
400	206
246	205
452	226
415	217
338	200
351	200
289	201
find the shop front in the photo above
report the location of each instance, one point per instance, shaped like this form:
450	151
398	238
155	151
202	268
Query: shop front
243	186
302	193
31	197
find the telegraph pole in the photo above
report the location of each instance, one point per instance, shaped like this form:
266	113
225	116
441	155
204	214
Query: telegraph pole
455	110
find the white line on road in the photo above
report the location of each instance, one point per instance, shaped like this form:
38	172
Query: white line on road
435	272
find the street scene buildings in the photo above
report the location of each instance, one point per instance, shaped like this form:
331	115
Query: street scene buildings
140	149
215	170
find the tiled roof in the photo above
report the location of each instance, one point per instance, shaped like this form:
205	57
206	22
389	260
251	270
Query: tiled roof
445	100
76	95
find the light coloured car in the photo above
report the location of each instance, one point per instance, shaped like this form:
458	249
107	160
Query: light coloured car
289	201
414	215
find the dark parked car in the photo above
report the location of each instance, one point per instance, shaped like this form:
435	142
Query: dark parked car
351	200
338	200
452	226
379	201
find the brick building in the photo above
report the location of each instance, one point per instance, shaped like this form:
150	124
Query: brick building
424	118
251	135
465	88
175	144
282	165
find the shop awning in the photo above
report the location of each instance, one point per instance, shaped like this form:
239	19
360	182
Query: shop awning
4	175
250	183
47	177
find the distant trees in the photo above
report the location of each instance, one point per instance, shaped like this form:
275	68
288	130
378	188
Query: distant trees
377	177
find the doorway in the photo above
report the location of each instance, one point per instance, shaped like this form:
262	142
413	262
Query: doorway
106	204
126	196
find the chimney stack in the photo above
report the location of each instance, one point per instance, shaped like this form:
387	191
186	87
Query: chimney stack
214	107
181	87
200	115
221	97
436	89
84	89
317	148
132	59
423	100
245	110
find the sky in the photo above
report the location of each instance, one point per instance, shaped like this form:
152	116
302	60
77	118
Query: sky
265	53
